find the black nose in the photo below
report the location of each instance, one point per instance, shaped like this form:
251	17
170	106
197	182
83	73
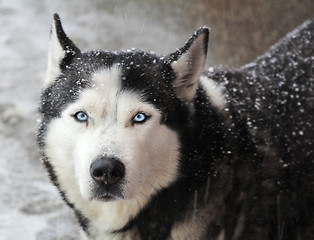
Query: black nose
107	170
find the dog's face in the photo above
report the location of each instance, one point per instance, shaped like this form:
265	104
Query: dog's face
110	120
114	139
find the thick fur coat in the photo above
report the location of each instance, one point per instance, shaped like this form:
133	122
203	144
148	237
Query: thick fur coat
143	146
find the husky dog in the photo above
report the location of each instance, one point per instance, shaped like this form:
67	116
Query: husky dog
143	146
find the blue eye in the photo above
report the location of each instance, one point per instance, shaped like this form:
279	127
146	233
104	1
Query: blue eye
81	116
140	118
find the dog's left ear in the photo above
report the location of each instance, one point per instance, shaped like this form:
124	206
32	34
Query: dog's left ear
188	64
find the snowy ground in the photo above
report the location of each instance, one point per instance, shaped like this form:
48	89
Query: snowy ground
30	207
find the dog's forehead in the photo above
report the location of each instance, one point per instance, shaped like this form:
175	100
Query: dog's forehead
134	61
147	74
139	71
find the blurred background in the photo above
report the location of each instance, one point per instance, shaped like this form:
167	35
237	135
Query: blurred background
241	30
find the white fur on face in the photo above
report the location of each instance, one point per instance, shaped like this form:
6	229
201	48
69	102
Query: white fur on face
149	151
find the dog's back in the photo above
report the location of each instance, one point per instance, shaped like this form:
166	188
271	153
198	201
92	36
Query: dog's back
274	98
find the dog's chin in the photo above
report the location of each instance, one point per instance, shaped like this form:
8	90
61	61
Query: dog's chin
106	197
101	196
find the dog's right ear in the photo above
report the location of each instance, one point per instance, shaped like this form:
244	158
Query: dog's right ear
61	51
188	64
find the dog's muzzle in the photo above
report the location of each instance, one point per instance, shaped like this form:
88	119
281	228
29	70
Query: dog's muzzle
108	174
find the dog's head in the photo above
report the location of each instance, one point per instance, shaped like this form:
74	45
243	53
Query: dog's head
113	121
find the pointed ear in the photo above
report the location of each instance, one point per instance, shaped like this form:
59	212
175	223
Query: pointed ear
61	50
188	64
